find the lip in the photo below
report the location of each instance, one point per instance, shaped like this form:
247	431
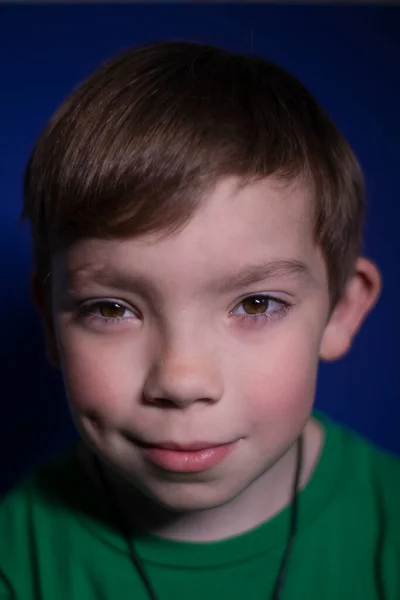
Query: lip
184	447
187	458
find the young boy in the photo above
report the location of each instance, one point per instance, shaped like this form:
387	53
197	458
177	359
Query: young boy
197	222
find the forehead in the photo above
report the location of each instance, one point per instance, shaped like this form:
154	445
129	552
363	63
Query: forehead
235	225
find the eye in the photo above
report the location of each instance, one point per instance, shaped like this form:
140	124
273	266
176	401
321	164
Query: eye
106	311
256	305
111	310
260	307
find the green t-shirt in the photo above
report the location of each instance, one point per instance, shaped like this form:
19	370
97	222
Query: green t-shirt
55	545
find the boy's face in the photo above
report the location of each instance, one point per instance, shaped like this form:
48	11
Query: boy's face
158	343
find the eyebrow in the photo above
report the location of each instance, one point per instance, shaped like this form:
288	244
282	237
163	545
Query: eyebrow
108	277
251	274
246	276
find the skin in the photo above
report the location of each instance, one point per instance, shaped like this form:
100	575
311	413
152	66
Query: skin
186	362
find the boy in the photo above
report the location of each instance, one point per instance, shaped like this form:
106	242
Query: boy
196	223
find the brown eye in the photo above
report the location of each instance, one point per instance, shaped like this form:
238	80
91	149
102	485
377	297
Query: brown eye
111	310
255	304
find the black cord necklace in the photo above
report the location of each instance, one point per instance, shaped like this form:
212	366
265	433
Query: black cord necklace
115	509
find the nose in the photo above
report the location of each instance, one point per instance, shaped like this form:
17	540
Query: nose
180	376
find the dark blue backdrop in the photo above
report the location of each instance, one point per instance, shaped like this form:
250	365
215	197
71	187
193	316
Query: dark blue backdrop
348	56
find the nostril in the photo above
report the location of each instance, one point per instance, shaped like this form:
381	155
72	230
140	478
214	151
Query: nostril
161	402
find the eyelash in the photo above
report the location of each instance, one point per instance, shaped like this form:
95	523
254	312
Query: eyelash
261	319
86	311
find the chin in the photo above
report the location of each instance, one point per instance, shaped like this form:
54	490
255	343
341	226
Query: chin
192	497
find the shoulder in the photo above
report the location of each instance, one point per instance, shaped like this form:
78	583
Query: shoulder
373	474
28	513
43	487
38	521
385	484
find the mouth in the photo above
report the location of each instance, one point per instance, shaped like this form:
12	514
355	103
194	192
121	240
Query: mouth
182	447
186	458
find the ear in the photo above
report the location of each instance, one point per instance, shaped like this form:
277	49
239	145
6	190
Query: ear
360	295
41	294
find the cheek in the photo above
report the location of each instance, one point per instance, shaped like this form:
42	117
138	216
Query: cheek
99	377
279	384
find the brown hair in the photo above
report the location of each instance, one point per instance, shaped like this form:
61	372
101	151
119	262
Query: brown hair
134	148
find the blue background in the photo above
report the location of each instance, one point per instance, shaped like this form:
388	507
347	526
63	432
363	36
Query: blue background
348	56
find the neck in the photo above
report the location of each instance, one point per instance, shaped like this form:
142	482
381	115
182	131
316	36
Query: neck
262	499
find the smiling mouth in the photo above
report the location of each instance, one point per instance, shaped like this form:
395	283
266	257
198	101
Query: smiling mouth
182	447
186	458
